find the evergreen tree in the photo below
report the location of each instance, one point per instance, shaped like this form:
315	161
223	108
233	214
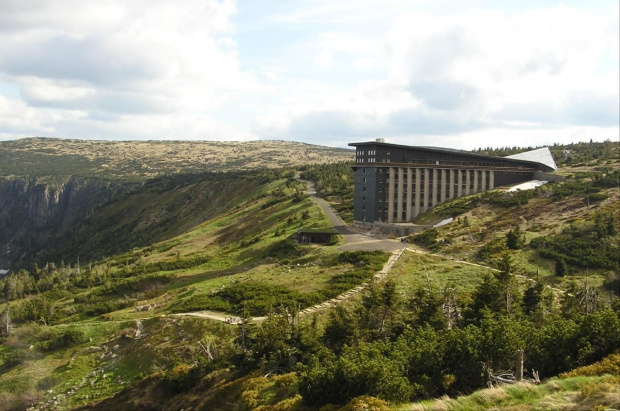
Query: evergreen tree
515	239
341	329
560	267
427	309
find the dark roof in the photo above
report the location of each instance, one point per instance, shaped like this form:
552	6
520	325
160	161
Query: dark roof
317	231
533	164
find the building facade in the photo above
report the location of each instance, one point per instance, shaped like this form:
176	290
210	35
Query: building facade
395	183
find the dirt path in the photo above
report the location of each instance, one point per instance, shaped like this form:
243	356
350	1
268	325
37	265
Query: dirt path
413	250
380	275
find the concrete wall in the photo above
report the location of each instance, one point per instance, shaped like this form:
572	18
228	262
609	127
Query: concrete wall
543	176
365	195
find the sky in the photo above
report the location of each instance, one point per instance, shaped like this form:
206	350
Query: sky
451	73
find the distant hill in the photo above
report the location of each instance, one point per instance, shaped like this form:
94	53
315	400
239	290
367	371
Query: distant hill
139	160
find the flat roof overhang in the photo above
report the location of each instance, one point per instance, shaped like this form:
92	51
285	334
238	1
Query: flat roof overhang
533	164
444	166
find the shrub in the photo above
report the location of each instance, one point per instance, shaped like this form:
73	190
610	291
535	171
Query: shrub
182	378
608	365
560	267
596	197
505	199
48	382
364	403
14	358
58	340
427	238
203	302
515	239
492	248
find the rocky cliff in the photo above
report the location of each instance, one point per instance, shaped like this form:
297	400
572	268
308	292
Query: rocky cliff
34	213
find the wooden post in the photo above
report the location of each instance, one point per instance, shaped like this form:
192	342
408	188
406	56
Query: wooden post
519	374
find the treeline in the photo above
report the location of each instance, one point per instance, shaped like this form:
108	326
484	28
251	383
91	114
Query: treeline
573	153
330	179
403	348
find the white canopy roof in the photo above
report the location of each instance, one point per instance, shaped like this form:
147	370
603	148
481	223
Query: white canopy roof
540	155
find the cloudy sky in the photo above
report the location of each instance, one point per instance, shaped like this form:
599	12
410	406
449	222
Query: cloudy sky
453	73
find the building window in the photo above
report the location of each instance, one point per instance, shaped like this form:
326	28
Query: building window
364	178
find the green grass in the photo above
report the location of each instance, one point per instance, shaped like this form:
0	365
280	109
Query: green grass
413	271
239	246
592	393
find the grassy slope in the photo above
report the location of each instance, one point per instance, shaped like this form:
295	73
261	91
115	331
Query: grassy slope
594	387
118	357
162	209
225	238
488	224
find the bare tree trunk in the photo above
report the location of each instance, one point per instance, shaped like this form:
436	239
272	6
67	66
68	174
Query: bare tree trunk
519	373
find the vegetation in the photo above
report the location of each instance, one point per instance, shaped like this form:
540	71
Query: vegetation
112	334
587	244
260	299
141	160
566	154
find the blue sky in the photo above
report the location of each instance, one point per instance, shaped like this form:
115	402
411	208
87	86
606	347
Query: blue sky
421	72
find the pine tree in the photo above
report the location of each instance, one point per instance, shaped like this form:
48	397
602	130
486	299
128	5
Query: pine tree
560	267
515	239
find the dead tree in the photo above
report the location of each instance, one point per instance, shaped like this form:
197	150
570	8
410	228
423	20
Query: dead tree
5	321
519	365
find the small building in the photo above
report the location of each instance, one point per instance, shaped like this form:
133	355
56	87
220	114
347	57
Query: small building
316	236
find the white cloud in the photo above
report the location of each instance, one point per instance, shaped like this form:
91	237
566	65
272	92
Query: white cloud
116	60
466	74
312	70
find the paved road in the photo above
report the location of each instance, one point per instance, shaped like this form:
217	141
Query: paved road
355	239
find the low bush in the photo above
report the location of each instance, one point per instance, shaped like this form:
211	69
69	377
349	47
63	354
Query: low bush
49	381
427	238
203	302
62	339
182	378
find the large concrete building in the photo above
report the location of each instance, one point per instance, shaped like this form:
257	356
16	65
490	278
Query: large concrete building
396	183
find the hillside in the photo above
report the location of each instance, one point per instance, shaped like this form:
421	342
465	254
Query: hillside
140	160
50	189
106	325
